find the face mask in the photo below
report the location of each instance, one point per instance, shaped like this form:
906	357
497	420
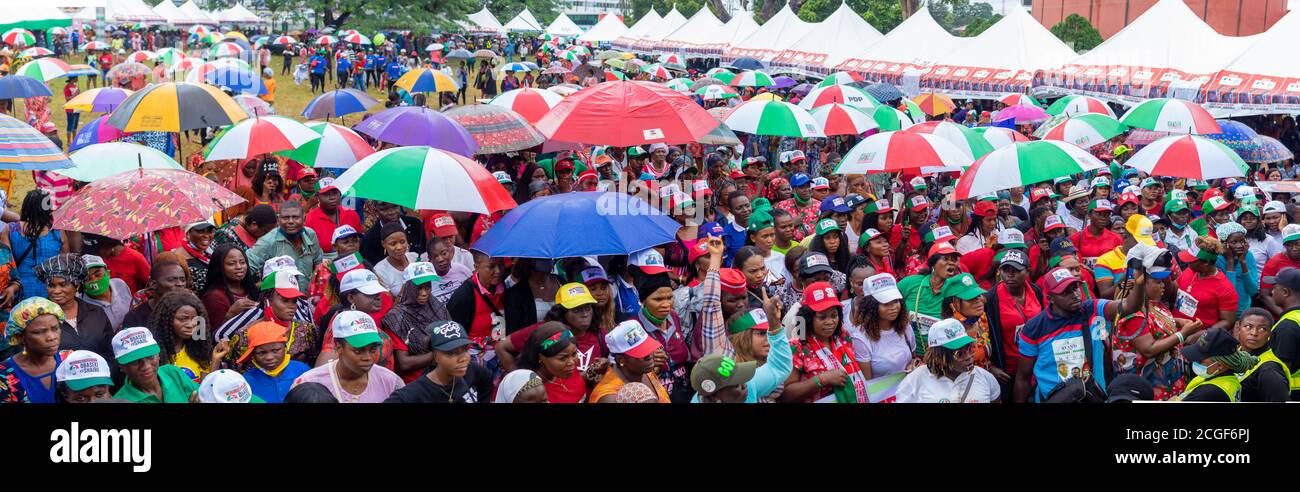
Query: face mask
1177	226
98	287
1200	369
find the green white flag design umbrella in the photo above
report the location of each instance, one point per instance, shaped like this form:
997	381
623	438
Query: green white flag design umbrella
338	147
45	69
1171	115
775	118
1085	130
679	84
966	139
752	78
712	92
425	178
1022	164
1070	105
890	119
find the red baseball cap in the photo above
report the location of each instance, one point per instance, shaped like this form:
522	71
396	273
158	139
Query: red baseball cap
1039	194
1128	197
588	174
942	248
1053	222
986	208
1059	279
736	174
1211	193
443	225
820	296
700	248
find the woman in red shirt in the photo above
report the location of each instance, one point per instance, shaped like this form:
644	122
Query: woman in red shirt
874	245
551	353
1010	304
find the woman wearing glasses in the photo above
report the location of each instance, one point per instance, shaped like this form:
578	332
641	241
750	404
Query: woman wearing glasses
1147	342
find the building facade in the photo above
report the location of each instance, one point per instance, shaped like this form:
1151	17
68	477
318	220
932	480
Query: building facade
1228	17
586	13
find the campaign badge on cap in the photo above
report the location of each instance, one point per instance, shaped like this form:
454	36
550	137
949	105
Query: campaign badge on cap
700	185
444	221
281	263
1012	238
942	233
225	386
420	273
1217	203
816	260
346	264
83	369
1053	222
1061	275
132	344
340	233
919	201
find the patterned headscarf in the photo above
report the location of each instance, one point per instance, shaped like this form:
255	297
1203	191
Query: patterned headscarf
27	310
68	266
1226	230
636	392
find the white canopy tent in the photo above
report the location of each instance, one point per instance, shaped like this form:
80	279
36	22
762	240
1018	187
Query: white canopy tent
638	30
196	15
1264	79
484	21
524	22
15	13
237	14
131	11
606	30
1002	59
171	13
835	40
671	22
691	35
740	26
771	38
912	45
563	26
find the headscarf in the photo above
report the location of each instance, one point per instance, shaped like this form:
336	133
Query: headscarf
636	392
67	265
518	381
407	318
1238	362
1227	229
27	310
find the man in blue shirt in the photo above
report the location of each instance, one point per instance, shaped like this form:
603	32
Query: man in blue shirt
735	232
381	63
394	72
317	65
1070	339
344	70
372	70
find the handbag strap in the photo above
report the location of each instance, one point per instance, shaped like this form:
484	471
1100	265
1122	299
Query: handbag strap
969	382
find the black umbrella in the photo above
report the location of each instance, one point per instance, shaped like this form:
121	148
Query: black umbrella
747	64
884	92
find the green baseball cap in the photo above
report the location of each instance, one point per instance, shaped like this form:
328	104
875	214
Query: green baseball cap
1174	206
827	225
760	220
962	286
714	372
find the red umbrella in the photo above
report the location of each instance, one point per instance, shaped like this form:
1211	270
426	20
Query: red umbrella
627	113
136	202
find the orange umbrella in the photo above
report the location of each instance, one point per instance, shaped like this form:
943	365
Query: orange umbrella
934	104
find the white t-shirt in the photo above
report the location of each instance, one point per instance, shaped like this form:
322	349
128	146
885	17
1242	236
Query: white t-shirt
447	284
1263	250
922	387
886	356
464	258
390	276
775	263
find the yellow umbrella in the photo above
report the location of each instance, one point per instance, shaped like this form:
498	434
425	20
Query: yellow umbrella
176	107
99	99
628	56
766	96
427	80
237	34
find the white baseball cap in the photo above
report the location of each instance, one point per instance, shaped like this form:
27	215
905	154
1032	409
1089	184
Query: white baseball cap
281	263
420	273
1243	192
1011	238
950	334
202	223
649	261
363	280
226	386
356	327
883	287
630	338
93	261
1274	207
132	344
83	369
342	232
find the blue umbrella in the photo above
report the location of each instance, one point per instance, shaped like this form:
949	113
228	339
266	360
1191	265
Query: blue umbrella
24	148
783	82
237	79
747	64
884	92
1236	135
338	103
19	86
570	225
96	131
1268	150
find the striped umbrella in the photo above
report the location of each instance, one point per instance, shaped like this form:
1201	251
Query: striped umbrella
705	82
913	111
201	72
612	75
326	40
258	136
35	52
620	63
346	32
515	67
934	104
99	161
1171	115
839	94
495	128
890	119
565	55
184	65
841	78
1023	164
425	178
215	38
18	37
1188	156
724	76
1085	130
773	118
44	69
679	84
1069	105
140	56
1018	100
530	103
253	105
427	80
23	148
237	35
717	70
283	40
1000	137
200	31
842	119
337	148
752	78
176	107
95	46
672	59
964	138
900	151
226	50
169	56
338	103
98	100
657	71
355	38
713	92
564	90
96	131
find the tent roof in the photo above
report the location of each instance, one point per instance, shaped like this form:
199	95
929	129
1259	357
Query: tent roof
196	14
918	40
170	13
238	13
524	21
638	29
837	37
777	34
671	22
697	30
1271	54
1017	42
607	29
1168	35
18	13
486	21
563	26
131	11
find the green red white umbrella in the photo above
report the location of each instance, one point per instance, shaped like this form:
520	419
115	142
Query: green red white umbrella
326	40
679	84
1085	130
44	69
903	151
1188	156
1022	164
914	111
169	56
425	178
840	78
95	46
671	59
355	38
1171	115
1070	105
842	119
18	37
35	52
717	70
775	118
839	94
257	136
1018	100
657	71
964	138
1000	137
713	92
723	75
337	148
140	56
752	78
890	119
612	75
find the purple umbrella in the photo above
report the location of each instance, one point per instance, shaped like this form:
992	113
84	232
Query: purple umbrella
783	82
802	89
415	125
1022	114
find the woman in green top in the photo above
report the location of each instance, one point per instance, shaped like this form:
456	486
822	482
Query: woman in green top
147	381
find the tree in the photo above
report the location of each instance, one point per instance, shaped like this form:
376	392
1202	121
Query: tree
545	10
371	15
881	14
1077	33
817	10
978	26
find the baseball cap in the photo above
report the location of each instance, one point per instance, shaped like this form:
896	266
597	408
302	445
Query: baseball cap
356	327
820	183
420	273
649	261
797	155
1149	181
1215	342
1015	258
1128	197
326	185
635	151
878	207
1061	246
1274	207
340	233
799	179
284	283
1100	181
1039	194
950	334
867	236
836	204
83	369
883	287
1243	192
262	333
714	372
918	202
446	335
853	200
985	209
362	280
827	225
132	344
733	282
201	225
226	386
942	248
503	177
813	263
820	296
1290	232
1214	204
282	263
1174	206
940	234
573	295
444	225
918	183
1129	387
93	261
700	249
631	339
1140	227
755	319
962	286
1011	238
1101	204
594	274
1211	193
1057	280
701	187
